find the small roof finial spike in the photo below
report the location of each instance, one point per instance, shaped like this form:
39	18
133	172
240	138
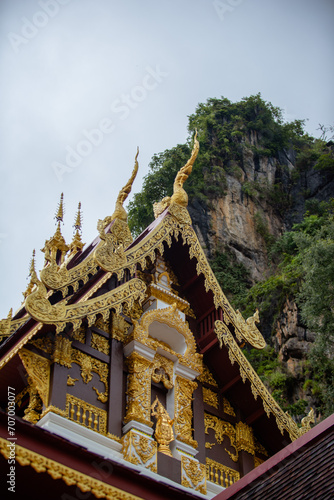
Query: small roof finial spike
78	220
60	211
32	263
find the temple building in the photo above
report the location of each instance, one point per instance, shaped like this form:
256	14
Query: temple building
122	375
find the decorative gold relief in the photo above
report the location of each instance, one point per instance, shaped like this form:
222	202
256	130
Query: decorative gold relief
221	429
284	421
210	397
220	474
80	334
120	327
244	438
140	449
54	409
164	430
5	325
162	371
306	422
44	344
209	445
247	330
100	343
169	317
63	351
139	389
111	255
86	414
71	381
40	308
193	474
38	369
206	377
183	410
33	411
70	476
88	364
228	409
257	461
260	449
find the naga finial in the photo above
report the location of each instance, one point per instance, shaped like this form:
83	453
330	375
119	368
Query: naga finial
120	212
179	195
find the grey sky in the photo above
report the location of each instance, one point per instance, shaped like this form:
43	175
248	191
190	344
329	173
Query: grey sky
135	69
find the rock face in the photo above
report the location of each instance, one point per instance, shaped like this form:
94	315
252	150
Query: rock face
264	196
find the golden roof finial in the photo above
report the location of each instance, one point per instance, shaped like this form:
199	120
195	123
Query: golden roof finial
120	212
60	211
32	274
76	242
179	195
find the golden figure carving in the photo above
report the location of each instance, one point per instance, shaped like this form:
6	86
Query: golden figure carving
33	411
210	398
86	414
140	450
183	410
71	381
220	474
228	409
162	371
164	429
139	389
221	429
38	369
100	343
284	421
59	471
63	351
247	330
193	474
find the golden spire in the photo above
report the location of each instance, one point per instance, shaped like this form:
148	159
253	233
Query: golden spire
120	212
32	274
56	243
60	211
179	195
77	244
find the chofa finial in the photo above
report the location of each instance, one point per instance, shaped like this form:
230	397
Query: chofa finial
120	212
77	244
179	194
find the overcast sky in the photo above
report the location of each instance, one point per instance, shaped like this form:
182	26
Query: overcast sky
83	82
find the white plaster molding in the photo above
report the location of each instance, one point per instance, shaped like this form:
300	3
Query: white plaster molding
138	426
185	371
76	433
138	347
177	447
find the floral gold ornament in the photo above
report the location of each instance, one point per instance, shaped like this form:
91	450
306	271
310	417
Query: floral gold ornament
71	381
120	327
140	449
221	429
38	369
139	390
164	434
5	325
183	410
32	413
162	371
193	474
100	343
227	407
244	438
63	351
210	398
206	377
